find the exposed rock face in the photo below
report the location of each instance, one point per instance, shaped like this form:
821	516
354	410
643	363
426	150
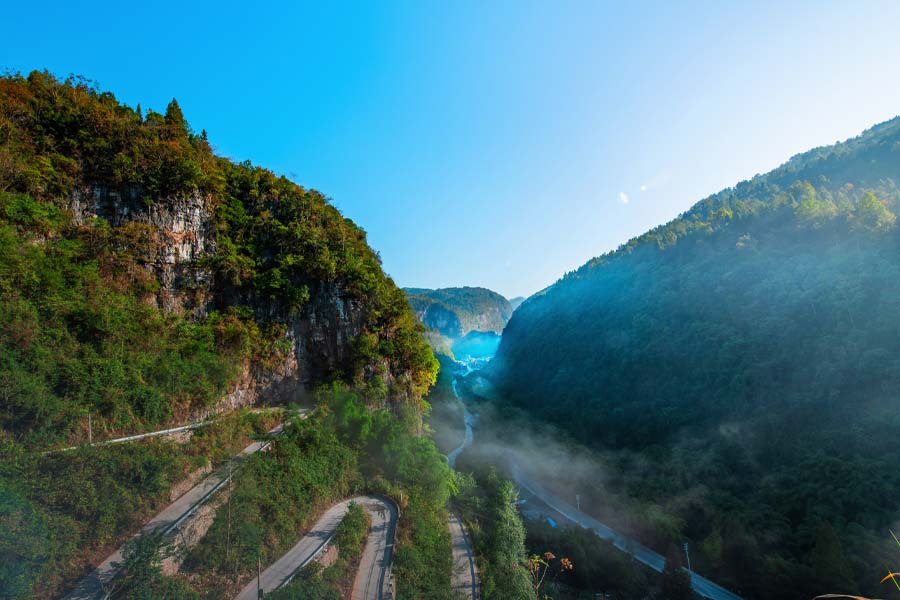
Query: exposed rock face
183	230
320	336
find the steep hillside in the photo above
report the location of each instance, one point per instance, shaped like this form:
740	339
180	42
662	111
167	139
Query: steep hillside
748	351
145	281
454	312
516	302
116	225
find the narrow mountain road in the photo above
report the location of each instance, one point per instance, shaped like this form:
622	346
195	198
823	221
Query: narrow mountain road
134	438
464	577
702	586
373	576
467	440
373	579
206	421
95	585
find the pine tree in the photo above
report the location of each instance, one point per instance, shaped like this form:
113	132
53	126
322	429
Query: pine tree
175	122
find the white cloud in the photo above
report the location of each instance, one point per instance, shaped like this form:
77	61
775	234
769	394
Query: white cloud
623	198
644	187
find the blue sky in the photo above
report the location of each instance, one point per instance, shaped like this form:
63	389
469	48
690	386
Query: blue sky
490	143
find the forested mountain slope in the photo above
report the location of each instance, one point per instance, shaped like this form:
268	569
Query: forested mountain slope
142	276
454	312
748	350
145	281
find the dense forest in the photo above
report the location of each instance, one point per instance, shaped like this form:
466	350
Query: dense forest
454	312
142	279
737	369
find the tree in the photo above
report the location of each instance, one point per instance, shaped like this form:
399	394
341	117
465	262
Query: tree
676	581
812	210
175	122
871	214
506	543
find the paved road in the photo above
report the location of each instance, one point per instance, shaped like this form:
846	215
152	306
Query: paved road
94	586
467	440
464	578
133	438
702	586
140	436
373	577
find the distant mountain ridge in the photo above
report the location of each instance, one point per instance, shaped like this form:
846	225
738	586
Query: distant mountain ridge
454	312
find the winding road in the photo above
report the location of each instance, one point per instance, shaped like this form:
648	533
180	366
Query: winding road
464	577
373	576
702	586
95	585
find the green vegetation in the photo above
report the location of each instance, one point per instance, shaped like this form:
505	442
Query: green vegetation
142	576
78	324
98	326
279	245
77	337
487	503
396	461
60	511
350	536
737	369
598	565
440	345
310	583
344	448
273	498
454	312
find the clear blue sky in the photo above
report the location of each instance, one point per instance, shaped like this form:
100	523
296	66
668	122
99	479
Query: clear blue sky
490	143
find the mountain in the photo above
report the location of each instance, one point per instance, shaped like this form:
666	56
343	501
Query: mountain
118	224
738	367
147	282
515	302
454	312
